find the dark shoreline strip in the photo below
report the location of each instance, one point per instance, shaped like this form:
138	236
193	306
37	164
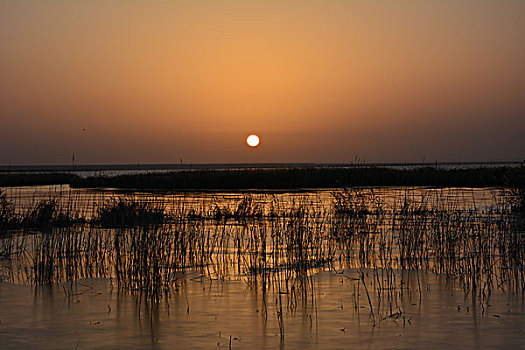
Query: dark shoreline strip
35	179
282	178
296	178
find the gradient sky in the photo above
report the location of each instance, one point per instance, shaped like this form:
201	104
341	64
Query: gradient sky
320	81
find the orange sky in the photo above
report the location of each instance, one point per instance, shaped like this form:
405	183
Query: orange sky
320	81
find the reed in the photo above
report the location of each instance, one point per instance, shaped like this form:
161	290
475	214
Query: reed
6	212
382	245
125	212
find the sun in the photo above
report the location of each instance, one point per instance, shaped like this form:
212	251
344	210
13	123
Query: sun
253	140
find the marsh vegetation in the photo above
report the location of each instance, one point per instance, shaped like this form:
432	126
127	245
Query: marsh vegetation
383	244
277	178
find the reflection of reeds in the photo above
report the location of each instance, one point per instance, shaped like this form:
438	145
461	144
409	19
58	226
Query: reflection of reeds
382	249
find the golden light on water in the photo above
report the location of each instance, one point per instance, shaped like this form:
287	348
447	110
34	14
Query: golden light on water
253	140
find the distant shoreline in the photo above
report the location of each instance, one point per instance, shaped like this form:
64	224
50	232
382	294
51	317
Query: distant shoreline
227	166
279	178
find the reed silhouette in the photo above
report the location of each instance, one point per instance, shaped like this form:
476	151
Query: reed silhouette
382	245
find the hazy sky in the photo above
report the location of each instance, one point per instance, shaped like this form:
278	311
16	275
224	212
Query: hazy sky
320	81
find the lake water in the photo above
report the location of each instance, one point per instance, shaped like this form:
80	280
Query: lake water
368	268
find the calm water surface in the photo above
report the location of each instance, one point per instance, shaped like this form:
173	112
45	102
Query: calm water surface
339	305
208	312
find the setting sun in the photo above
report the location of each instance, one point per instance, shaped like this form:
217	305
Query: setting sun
389	187
253	140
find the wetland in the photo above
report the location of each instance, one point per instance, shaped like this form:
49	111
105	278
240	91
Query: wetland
367	267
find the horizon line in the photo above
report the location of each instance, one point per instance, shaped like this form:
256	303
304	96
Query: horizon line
188	166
